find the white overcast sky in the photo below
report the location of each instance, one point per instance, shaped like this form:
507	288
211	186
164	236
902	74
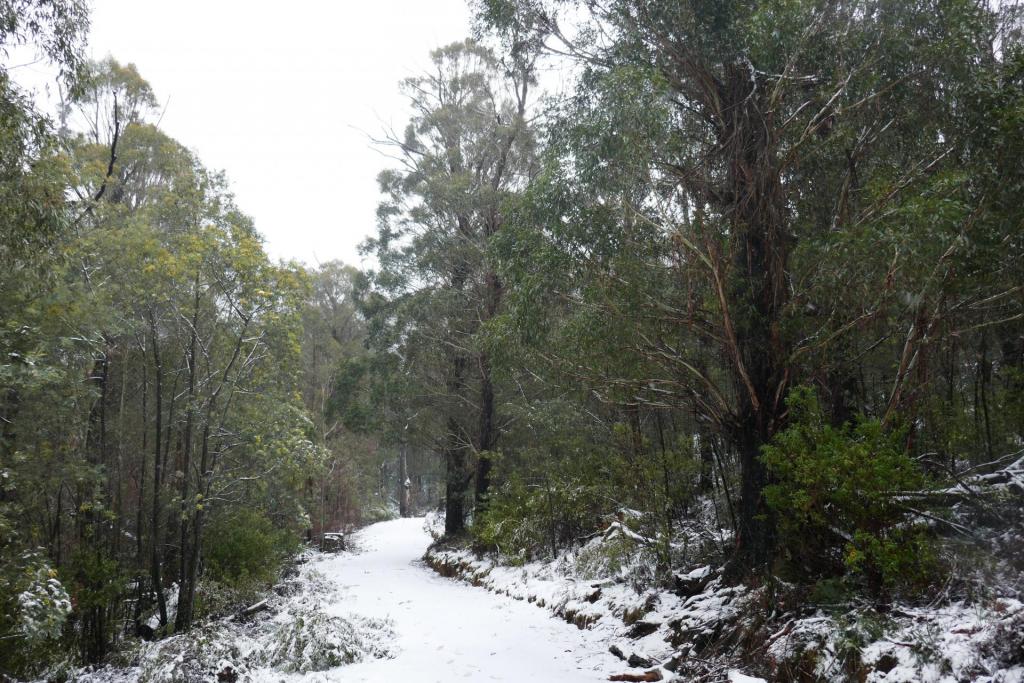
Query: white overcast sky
284	98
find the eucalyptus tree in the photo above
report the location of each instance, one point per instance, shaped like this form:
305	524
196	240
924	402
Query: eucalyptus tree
466	149
716	162
33	175
201	320
151	366
35	223
332	332
242	420
170	348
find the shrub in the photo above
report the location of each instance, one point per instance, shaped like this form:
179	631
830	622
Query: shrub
537	516
34	606
215	599
835	492
316	641
378	511
617	556
245	546
34	602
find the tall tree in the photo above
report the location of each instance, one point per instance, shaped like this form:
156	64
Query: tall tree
725	150
467	147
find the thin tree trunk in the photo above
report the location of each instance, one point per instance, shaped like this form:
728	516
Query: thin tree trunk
455	481
986	378
404	484
139	544
181	621
155	567
187	590
487	434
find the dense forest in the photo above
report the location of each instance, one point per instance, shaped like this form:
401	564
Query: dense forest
750	288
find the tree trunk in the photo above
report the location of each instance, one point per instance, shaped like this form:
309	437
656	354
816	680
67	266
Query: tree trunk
183	620
455	458
155	563
140	510
190	565
404	484
756	298
486	436
455	481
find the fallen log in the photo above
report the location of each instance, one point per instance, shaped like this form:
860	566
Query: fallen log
652	675
260	606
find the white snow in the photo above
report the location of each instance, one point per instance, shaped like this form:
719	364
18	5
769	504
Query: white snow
43	606
737	677
380	614
699	573
446	630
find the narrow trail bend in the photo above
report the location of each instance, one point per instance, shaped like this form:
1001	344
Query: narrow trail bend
449	631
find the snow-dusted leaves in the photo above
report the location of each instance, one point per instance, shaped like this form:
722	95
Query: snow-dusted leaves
43	606
317	641
297	637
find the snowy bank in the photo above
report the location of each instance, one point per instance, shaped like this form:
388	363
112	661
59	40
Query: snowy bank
700	628
292	634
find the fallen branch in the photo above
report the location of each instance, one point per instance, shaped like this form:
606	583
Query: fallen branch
260	606
652	675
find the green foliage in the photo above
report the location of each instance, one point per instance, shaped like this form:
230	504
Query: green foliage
57	27
378	510
554	489
244	545
529	517
34	607
96	579
571	476
316	641
836	493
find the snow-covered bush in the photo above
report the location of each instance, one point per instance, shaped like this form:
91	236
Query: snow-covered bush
1006	645
292	635
379	511
43	606
620	554
194	656
313	640
433	524
34	605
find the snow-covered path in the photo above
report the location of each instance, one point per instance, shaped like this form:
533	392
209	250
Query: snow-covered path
446	630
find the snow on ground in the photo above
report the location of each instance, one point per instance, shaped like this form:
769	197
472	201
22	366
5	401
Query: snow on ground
376	614
446	630
382	614
695	628
636	622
